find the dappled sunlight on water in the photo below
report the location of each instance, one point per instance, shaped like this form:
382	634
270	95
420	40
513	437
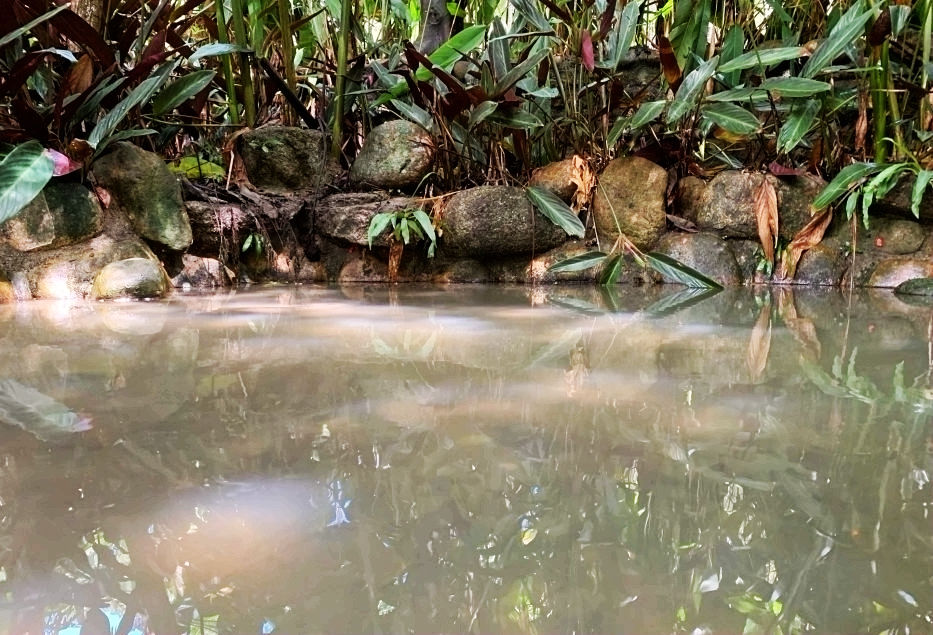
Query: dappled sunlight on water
485	459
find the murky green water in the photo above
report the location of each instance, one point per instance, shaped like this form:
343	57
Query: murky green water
484	459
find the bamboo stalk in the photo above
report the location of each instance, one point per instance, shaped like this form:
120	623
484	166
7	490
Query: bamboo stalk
246	71
232	104
343	46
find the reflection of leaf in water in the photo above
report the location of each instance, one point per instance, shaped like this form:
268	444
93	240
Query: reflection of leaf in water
38	414
759	346
674	302
587	308
557	348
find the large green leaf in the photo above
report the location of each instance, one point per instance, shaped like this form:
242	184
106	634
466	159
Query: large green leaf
679	272
620	40
742	93
579	263
690	90
519	71
180	91
646	113
23	174
480	112
732	118
924	177
794	86
762	58
218	48
611	271
847	178
850	26
515	118
801	118
99	136
732	46
556	210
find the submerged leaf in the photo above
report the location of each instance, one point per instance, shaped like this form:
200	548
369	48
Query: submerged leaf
38	413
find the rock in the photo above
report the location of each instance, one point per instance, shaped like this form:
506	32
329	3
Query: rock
7	294
894	271
557	178
284	158
748	255
821	265
689	195
707	253
538	270
346	217
895	236
915	286
147	192
897	201
728	203
131	278
201	273
631	197
471	271
62	214
495	221
219	228
396	154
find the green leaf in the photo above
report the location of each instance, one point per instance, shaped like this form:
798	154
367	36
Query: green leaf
428	227
847	178
137	96
615	133
679	272
378	225
762	58
453	49
218	48
414	114
579	263
646	113
23	174
690	90
802	116
12	35
620	40
611	271
924	177
731	49
794	86
516	118
519	71
849	28
739	94
180	91
480	112
556	210
732	118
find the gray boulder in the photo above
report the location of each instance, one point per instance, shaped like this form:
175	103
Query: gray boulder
727	204
201	273
895	271
897	236
219	228
821	265
131	278
493	221
62	214
707	253
396	154
147	192
346	217
283	158
557	178
631	196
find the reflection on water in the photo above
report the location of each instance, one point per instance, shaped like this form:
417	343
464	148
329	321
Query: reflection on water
489	460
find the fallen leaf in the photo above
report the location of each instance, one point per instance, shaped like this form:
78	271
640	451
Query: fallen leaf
766	213
583	177
672	72
810	235
778	169
759	346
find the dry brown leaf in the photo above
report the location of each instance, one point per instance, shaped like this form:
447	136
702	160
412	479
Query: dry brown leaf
760	344
396	247
810	235
583	177
861	124
766	213
79	76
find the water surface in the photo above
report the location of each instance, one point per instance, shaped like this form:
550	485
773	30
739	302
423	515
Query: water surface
489	460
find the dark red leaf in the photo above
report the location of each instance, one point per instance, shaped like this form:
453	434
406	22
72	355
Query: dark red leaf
61	163
558	10
76	29
778	169
605	21
22	70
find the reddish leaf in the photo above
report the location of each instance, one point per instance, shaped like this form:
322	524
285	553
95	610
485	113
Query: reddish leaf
669	65
778	169
605	21
61	163
76	29
586	50
22	70
766	213
558	10
811	234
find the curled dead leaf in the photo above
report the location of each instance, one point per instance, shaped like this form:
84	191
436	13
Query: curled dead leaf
766	213
583	177
810	235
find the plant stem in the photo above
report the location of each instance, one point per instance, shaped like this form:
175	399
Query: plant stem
246	70
343	46
288	50
232	105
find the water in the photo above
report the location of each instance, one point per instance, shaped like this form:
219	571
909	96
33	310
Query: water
494	460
